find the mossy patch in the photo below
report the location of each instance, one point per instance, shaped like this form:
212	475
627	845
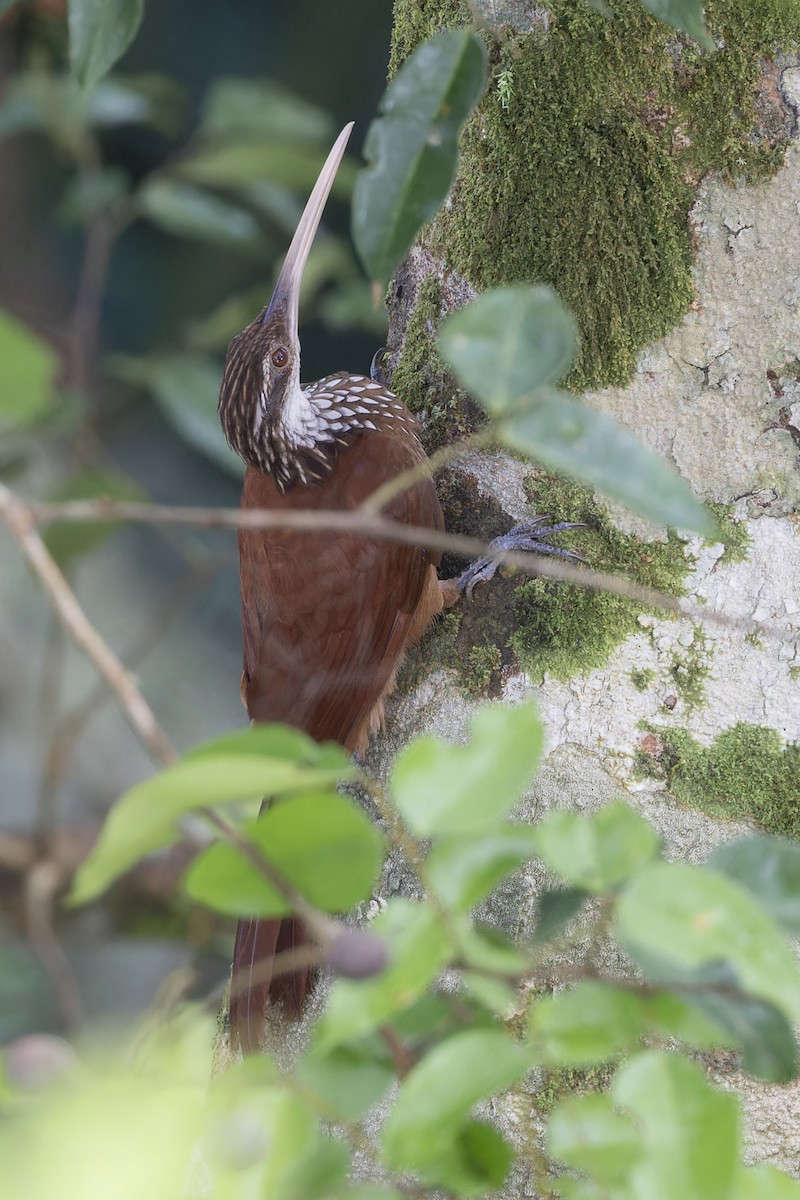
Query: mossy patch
689	670
745	773
580	170
642	678
733	533
562	629
421	378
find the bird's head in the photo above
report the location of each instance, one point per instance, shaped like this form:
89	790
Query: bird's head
261	405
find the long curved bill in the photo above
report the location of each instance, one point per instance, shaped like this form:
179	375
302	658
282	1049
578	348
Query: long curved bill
286	296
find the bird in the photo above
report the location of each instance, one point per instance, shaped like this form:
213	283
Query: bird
326	617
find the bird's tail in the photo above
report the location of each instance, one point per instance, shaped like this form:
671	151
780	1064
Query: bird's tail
254	985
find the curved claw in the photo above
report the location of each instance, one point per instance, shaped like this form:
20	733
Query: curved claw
376	371
530	535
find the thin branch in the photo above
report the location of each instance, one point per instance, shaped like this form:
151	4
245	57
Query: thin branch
20	523
42	883
373	525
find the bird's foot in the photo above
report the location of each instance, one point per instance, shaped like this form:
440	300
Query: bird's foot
530	535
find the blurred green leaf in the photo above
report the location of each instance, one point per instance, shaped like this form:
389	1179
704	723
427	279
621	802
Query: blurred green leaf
569	436
495	995
412	149
587	1024
146	817
261	108
755	1026
37	100
764	1183
475	1161
315	1173
599	852
462	870
67	540
690	916
280	742
27	368
689	1131
256	1144
91	192
441	789
670	1014
147	99
441	1090
585	1133
488	949
189	211
769	868
236	161
683	15
555	908
509	342
418	947
349	1079
100	32
87	1140
186	389
307	838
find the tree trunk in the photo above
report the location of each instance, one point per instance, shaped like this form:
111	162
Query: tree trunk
656	189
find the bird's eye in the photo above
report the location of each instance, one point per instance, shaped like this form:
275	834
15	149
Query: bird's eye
279	357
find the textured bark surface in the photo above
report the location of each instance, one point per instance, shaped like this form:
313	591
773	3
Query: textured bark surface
696	726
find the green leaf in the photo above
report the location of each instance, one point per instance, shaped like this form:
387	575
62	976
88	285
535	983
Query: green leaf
757	1027
596	853
462	870
277	741
307	838
487	949
147	817
441	1090
690	916
261	108
508	342
412	149
556	907
672	1014
468	789
569	436
764	1183
419	949
494	995
189	211
232	162
590	1023
683	15
348	1079
475	1161
100	32
186	389
314	1173
769	868
585	1133
67	540
689	1131
27	368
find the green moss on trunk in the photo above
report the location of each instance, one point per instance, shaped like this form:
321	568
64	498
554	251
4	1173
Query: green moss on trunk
579	168
746	772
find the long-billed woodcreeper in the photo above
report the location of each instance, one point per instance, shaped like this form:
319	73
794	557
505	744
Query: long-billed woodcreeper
326	618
